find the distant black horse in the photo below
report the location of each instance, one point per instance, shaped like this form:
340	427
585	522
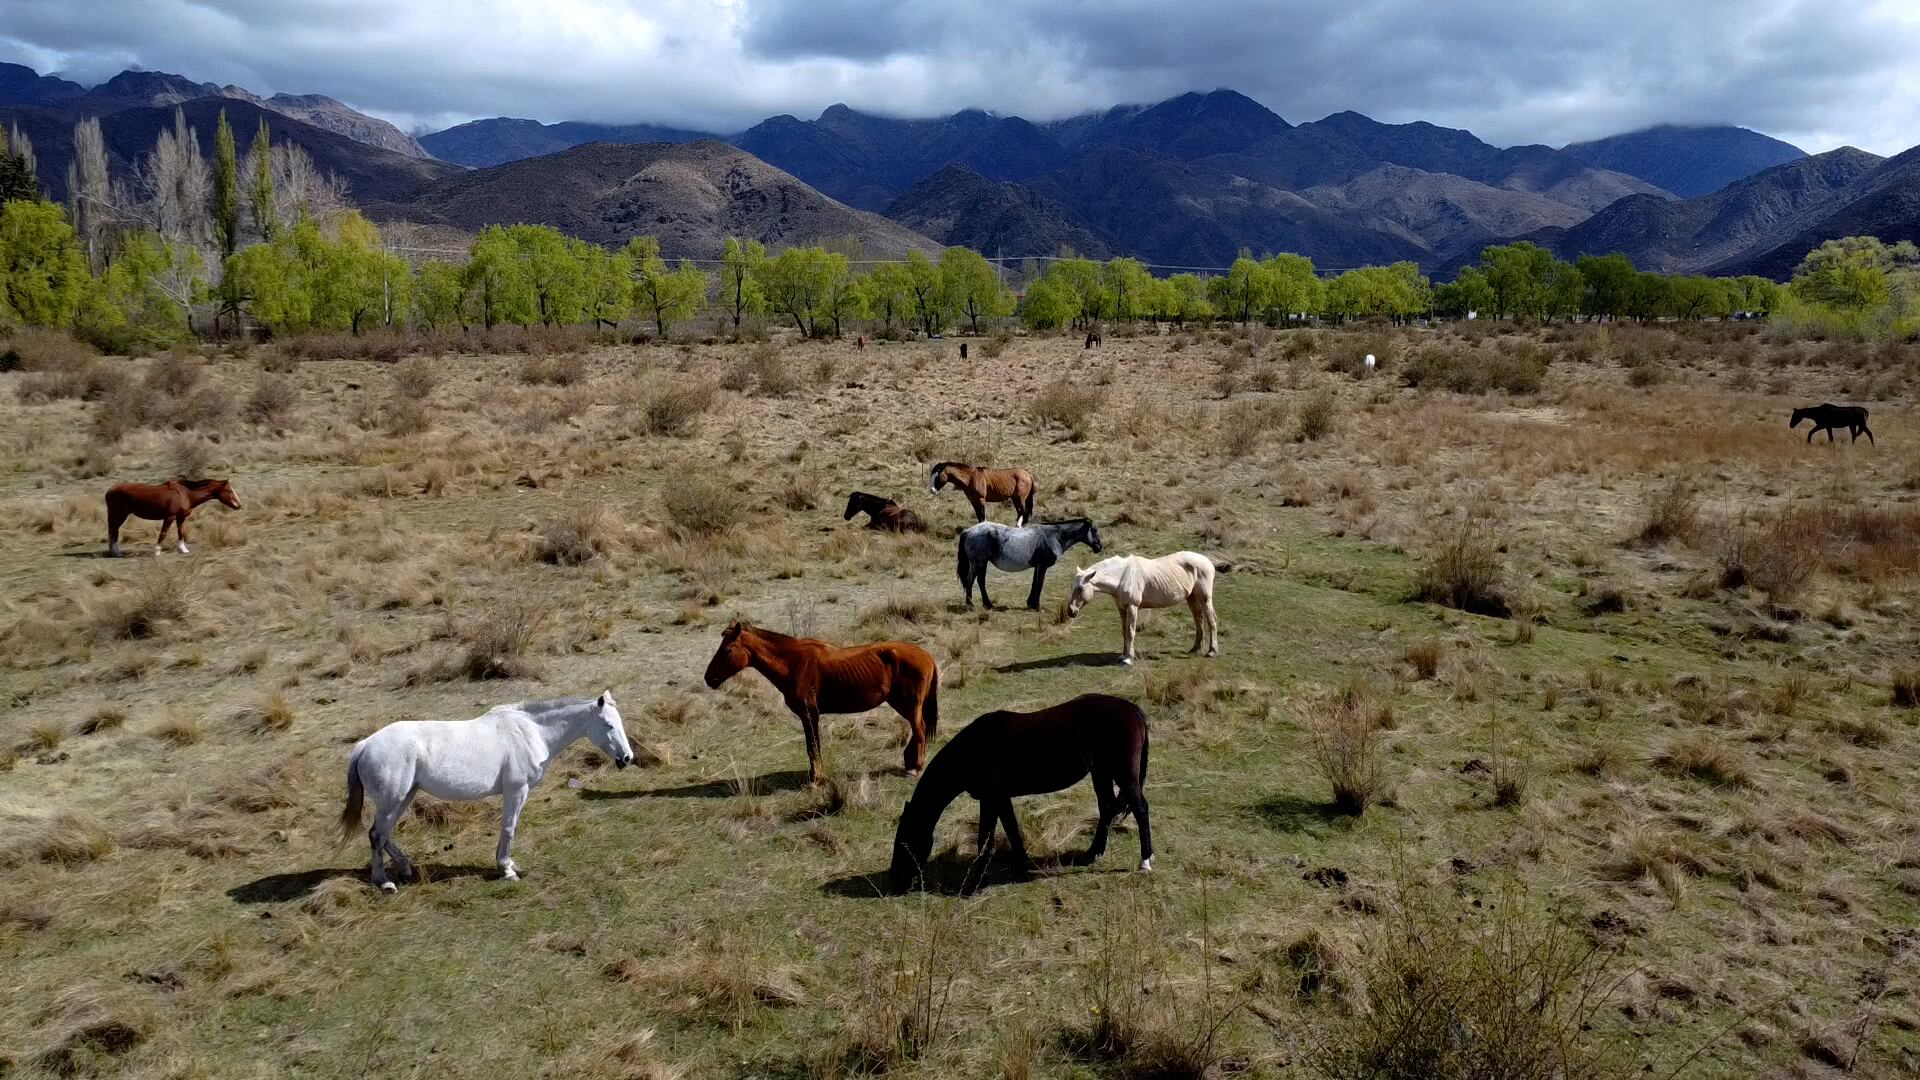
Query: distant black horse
1006	754
1018	547
1828	417
883	514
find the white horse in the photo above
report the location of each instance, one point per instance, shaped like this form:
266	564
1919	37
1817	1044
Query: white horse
504	752
1135	582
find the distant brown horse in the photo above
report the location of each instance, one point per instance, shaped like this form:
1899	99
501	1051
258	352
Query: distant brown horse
1093	338
167	503
983	486
816	678
883	514
1006	754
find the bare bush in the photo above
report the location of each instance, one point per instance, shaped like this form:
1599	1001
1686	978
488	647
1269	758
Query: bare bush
1314	420
1470	370
584	534
499	641
191	456
699	505
272	400
415	377
1672	515
563	369
1346	745
772	376
1464	570
1068	404
671	411
1703	757
1905	688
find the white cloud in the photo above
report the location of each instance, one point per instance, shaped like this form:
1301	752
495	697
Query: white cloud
1510	70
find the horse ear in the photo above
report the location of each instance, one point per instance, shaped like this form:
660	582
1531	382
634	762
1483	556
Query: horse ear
606	698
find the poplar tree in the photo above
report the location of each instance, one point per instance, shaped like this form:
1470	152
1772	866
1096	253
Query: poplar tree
226	188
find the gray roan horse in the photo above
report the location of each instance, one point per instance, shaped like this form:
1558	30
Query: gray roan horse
1018	547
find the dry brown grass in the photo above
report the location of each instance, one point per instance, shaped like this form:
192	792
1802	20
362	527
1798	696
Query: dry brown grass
71	840
180	728
1315	417
1347	745
581	536
415	377
1463	569
1068	403
499	641
1702	756
271	712
674	411
702	506
103	719
272	400
1904	687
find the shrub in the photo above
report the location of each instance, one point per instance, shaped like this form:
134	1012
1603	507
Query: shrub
772	376
1906	688
703	506
1458	991
158	600
1424	657
1673	515
564	369
73	839
1464	571
1315	418
415	377
582	536
672	410
1346	746
271	712
1477	370
498	642
993	347
1703	757
1069	405
406	416
180	728
272	400
191	455
173	374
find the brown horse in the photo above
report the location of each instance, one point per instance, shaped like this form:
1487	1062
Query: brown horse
167	503
883	514
816	678
1005	754
983	486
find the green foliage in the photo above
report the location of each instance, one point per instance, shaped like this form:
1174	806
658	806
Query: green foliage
43	274
1399	291
260	184
1292	288
885	293
667	295
1184	298
226	188
740	290
803	284
1050	304
140	305
1527	280
1129	287
1465	294
17	182
924	295
970	286
437	290
498	288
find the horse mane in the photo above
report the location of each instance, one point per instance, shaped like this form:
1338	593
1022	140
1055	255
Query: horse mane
1066	521
766	633
949	465
538	709
209	482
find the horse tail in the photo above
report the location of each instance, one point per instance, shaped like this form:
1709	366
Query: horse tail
1026	508
960	559
356	796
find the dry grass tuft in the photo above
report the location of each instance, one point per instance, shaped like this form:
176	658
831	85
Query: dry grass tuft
702	506
73	840
103	719
1068	403
583	535
1314	419
272	400
1424	656
180	728
674	411
1464	570
1703	757
1672	516
1905	688
44	735
1346	745
271	712
499	641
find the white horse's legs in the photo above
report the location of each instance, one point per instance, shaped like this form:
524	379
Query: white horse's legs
402	865
381	839
1213	629
1129	618
1206	625
510	804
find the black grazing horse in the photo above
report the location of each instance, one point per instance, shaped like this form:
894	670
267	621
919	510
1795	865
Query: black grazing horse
883	514
1018	547
1006	754
1827	417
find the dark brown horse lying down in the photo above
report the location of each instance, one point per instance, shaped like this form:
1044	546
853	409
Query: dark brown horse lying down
167	503
1006	754
816	678
883	514
983	486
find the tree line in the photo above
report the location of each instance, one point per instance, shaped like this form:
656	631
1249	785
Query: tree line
268	239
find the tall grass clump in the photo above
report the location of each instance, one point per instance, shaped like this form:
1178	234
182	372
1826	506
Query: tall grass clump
1314	419
500	641
700	505
583	535
1459	992
1346	745
1068	404
672	411
1464	570
1672	515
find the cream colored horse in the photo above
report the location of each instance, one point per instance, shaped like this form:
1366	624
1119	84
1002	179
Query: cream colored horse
1135	582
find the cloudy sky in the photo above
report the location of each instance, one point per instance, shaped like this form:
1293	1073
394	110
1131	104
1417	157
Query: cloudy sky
1816	72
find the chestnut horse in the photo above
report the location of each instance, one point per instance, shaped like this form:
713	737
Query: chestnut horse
167	503
883	514
816	678
1005	754
983	486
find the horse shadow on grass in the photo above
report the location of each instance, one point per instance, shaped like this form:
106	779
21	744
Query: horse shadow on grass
300	884
764	784
946	874
1085	659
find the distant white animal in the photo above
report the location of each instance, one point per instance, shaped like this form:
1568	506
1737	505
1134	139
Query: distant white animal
504	752
1135	582
1370	363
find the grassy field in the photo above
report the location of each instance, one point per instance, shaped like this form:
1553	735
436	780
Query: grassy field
1639	788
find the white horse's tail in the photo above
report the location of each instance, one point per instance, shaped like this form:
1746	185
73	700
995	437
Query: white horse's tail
356	796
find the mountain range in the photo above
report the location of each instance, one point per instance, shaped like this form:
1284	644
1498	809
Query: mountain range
1190	181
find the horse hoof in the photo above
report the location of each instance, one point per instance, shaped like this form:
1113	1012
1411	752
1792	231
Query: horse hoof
1126	661
1146	866
389	887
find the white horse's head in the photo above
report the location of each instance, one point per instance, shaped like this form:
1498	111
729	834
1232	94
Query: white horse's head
609	732
1083	590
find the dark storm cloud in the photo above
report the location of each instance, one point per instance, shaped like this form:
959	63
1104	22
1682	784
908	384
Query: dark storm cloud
1510	70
